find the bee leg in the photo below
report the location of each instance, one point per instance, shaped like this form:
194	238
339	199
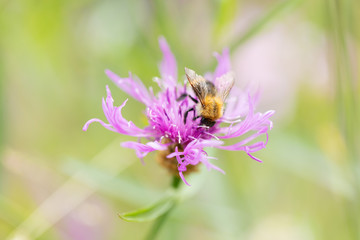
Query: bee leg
184	95
187	112
194	118
195	100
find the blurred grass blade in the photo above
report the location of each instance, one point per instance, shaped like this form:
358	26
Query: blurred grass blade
264	20
340	19
2	113
11	212
225	15
309	163
346	89
59	203
136	194
151	212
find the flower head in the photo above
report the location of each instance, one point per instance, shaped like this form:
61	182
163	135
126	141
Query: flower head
181	142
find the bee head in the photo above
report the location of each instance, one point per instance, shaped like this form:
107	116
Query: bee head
207	122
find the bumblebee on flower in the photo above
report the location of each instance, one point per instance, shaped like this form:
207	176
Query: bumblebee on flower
183	121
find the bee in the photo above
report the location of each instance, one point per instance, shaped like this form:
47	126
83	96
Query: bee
211	96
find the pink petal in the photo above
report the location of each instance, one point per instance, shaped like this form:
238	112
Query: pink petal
183	178
131	86
224	64
116	121
106	125
168	68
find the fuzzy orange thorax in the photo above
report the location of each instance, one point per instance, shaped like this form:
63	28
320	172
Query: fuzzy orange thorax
213	108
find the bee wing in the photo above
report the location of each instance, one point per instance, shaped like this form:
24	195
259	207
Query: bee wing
198	84
224	84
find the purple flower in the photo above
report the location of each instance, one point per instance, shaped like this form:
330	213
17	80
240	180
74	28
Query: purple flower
181	144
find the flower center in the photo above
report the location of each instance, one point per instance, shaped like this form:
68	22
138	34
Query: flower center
171	164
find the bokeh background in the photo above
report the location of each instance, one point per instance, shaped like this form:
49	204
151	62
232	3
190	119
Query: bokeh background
58	182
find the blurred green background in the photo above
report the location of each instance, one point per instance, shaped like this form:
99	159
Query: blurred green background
58	182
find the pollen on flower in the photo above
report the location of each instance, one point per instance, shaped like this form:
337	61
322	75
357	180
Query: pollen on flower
180	144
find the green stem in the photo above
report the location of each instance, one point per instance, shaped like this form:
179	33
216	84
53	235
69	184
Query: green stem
175	183
162	219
